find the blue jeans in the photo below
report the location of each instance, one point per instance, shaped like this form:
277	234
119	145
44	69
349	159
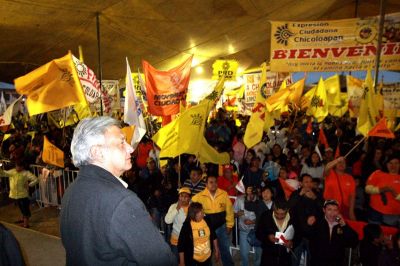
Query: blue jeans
258	253
298	251
244	248
224	244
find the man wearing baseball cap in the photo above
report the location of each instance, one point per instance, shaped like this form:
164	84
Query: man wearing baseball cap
176	215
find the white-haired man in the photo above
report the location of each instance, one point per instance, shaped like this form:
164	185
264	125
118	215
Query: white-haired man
102	222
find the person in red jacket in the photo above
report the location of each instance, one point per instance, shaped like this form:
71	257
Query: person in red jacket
384	188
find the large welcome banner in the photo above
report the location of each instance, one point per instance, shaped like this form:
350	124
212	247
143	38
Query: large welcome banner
391	98
252	85
334	45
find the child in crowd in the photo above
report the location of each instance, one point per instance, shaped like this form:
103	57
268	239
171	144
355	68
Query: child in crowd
20	180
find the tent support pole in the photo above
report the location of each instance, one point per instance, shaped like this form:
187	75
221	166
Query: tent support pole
99	69
379	46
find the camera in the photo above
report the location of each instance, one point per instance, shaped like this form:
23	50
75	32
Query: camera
337	219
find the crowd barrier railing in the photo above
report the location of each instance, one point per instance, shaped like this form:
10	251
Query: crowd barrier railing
51	185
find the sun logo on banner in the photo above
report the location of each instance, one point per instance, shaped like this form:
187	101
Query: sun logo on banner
81	69
366	32
316	101
283	34
197	119
263	90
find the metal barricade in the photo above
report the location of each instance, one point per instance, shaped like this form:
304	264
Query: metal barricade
52	184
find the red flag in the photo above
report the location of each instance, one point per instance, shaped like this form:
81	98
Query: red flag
166	120
309	127
322	138
381	130
358	226
287	189
337	152
165	89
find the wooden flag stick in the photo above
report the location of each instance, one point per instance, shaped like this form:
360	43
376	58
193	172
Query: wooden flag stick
352	149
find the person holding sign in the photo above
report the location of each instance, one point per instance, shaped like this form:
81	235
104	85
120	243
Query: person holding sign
102	222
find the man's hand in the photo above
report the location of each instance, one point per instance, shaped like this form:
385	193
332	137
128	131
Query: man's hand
340	219
311	220
248	222
272	238
240	213
310	194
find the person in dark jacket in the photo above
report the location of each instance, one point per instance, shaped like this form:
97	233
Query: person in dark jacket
304	202
196	240
10	252
330	236
276	232
371	246
102	222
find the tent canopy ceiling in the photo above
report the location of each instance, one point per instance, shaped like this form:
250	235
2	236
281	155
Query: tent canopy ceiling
163	32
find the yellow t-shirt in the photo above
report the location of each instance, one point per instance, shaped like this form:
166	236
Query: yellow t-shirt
201	241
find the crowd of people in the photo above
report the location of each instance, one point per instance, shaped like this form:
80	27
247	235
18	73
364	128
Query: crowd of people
299	201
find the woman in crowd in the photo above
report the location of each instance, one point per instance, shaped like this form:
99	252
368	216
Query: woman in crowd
176	216
196	239
314	167
384	190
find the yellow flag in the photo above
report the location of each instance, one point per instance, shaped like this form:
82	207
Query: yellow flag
369	113
280	101
332	86
209	155
51	154
128	132
319	105
211	99
52	86
340	110
6	136
82	110
305	101
186	133
355	92
296	90
254	129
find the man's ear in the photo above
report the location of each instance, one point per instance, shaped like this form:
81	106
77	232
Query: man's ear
96	153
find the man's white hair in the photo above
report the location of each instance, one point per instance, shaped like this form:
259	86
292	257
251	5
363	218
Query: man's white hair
89	132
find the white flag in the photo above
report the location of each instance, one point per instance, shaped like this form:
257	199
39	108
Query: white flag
133	114
5	119
240	186
318	152
3	105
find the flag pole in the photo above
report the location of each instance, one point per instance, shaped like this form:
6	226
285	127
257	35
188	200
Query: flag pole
352	149
99	69
379	46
